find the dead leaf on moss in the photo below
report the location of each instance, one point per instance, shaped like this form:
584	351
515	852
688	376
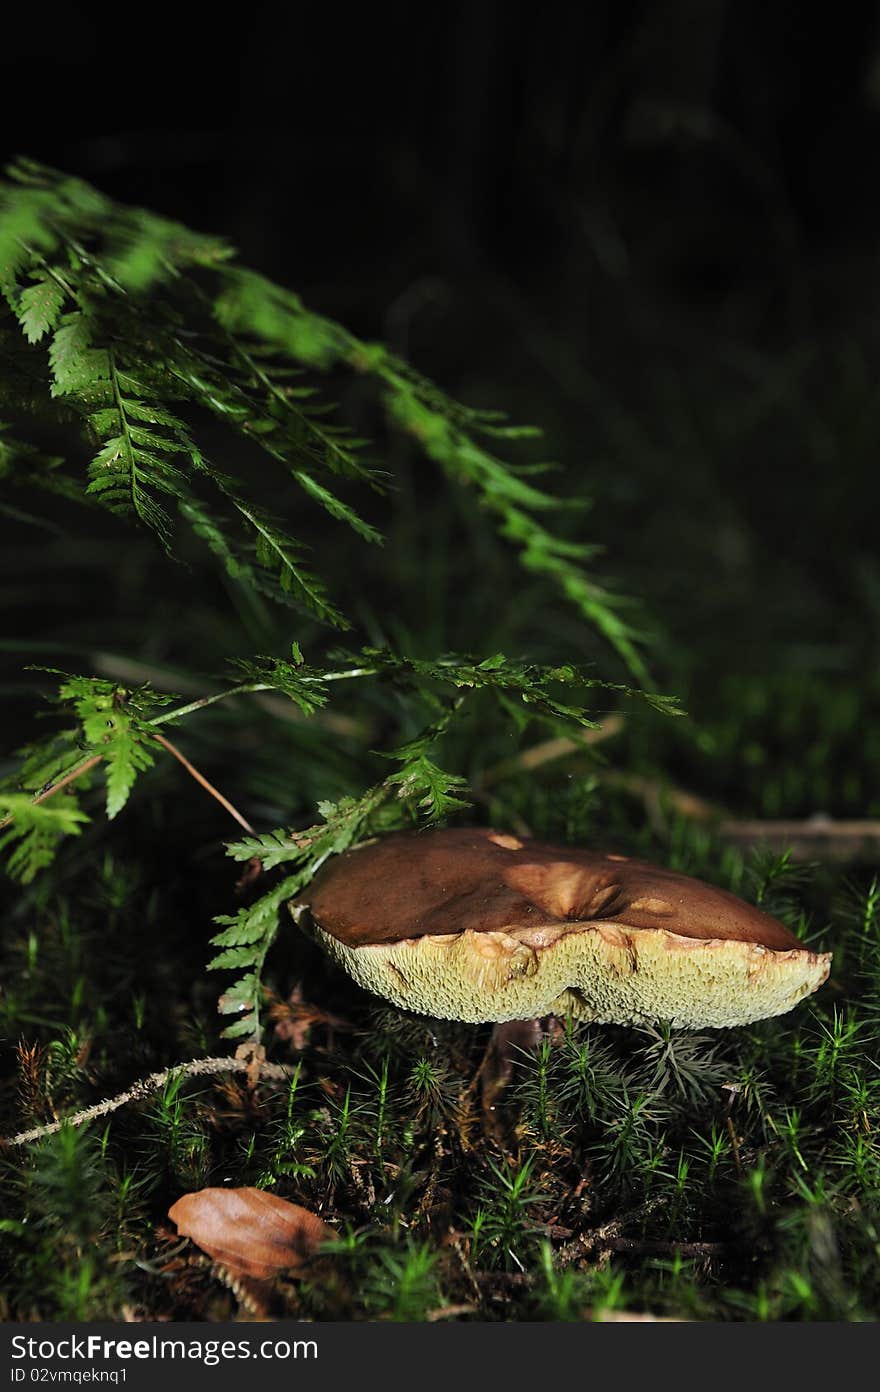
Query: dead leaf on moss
294	1018
248	1231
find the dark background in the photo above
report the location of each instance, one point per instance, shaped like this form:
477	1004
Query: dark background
650	228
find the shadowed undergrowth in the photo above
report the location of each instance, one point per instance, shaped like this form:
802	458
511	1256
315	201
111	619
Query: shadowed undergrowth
731	1175
721	1175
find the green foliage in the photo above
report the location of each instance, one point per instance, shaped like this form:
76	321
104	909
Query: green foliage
112	729
152	380
148	323
64	1254
115	725
738	1180
402	1286
683	1062
502	1229
135	332
178	1137
247	935
30	842
39	305
117	729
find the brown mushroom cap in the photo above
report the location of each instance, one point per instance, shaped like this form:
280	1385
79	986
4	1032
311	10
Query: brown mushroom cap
474	924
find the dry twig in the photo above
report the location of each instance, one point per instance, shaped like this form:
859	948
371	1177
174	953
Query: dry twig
277	1072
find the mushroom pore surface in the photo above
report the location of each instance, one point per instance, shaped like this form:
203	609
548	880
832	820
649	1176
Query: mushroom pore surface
474	924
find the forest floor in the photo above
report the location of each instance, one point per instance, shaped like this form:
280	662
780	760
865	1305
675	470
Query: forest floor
618	1173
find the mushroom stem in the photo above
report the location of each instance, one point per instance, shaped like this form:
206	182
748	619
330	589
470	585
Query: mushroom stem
507	1039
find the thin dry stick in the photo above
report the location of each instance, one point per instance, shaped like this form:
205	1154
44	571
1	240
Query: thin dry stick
449	1312
816	838
813	838
54	788
200	778
467	1268
652	791
598	1238
275	1071
548	751
651	1248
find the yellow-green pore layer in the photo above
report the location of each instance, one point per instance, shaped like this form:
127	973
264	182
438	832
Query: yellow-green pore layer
473	924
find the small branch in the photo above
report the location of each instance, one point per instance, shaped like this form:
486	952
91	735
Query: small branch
467	1268
646	1247
816	838
209	787
598	1239
54	788
450	1312
277	1072
95	759
204	701
550	750
245	687
655	793
131	672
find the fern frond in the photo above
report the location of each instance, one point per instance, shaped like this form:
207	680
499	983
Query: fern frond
306	686
24	235
419	790
39	305
75	364
114	725
531	682
227	341
135	464
280	555
434	791
281	421
146	250
445	430
36	829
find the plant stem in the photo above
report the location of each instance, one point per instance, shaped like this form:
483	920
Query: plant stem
245	687
197	1067
204	701
209	787
54	788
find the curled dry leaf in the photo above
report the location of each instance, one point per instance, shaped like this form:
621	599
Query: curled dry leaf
250	1232
294	1018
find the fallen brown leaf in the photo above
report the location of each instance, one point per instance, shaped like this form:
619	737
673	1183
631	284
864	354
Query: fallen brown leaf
248	1231
293	1019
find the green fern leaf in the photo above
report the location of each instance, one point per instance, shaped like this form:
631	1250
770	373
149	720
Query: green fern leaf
39	306
112	722
24	234
76	365
32	840
239	996
147	250
234	957
244	931
336	507
431	788
126	756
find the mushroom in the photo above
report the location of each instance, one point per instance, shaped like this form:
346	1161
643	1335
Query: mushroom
477	925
